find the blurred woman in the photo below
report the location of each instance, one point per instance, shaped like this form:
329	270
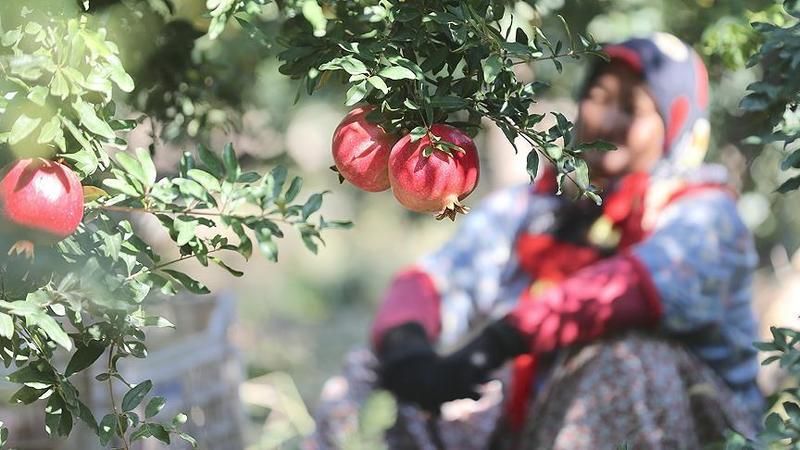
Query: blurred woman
626	323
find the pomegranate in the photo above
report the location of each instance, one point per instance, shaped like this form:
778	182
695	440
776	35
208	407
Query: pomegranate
361	151
41	201
434	180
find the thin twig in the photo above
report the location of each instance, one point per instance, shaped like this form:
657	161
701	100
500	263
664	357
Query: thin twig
162	265
125	444
189	212
554	56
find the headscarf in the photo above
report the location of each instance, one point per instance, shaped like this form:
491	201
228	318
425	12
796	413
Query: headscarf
678	81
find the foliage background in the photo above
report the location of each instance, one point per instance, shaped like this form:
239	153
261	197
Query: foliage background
300	315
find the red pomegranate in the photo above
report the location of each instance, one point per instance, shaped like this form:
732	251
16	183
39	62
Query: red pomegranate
438	181
361	151
41	201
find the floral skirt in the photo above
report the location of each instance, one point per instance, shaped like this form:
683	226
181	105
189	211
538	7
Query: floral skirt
632	390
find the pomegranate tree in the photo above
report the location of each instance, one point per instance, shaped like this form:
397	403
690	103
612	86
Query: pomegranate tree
361	151
435	172
40	202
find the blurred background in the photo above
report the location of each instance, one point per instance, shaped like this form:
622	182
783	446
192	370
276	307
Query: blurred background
268	340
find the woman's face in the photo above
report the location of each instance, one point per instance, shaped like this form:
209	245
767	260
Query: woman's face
618	108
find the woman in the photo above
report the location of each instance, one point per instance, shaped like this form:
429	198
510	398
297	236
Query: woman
564	284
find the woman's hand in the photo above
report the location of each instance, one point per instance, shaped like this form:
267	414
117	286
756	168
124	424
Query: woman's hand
413	372
408	366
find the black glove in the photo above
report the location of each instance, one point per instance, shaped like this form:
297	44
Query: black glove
407	366
473	364
413	372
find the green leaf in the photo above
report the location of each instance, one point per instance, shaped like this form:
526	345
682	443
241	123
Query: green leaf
554	151
352	65
755	102
192	441
85	414
335	225
245	247
58	420
312	205
6	326
27	395
593	196
51	328
418	133
121	186
38	95
492	67
185	226
308	241
793	410
148	167
532	165
159	432
107	428
378	83
230	162
277	177
154	406
11	37
22	128
314	14
50	131
520	50
84	356
96	45
581	173
134	397
59	87
448	102
188	282
141	433
91	121
397	73
92	193
294	189
268	247
791	160
33	373
208	181
218	261
789	185
85	160
248	177
132	166
191	188
599	146
120	76
211	161
356	93
53	414
158	322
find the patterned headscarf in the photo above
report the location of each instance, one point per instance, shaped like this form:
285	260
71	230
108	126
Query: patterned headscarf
678	81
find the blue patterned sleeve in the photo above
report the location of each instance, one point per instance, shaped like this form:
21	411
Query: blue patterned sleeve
700	259
468	270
